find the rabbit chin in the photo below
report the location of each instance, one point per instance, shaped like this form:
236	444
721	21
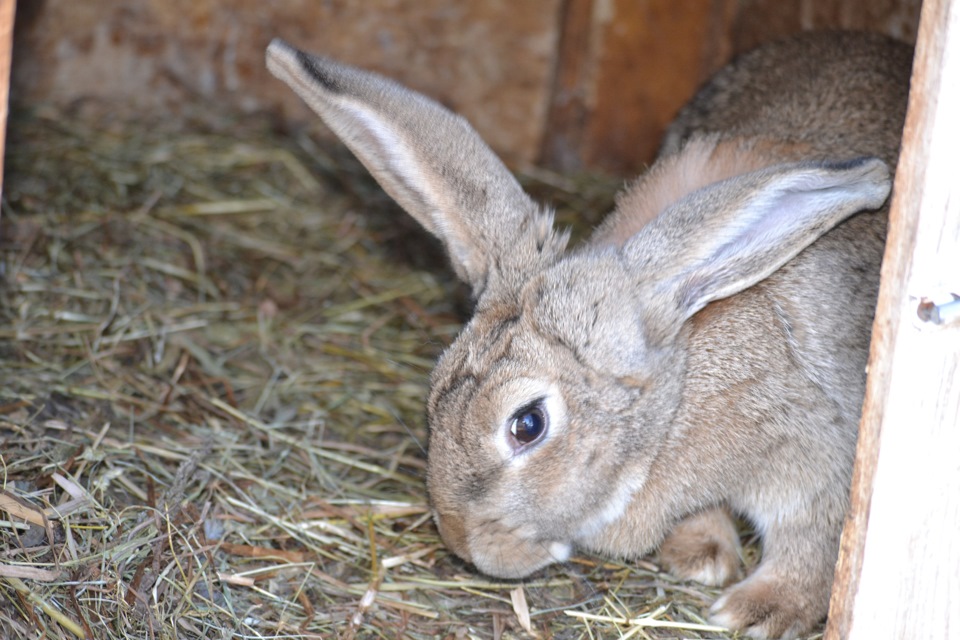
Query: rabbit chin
515	558
499	550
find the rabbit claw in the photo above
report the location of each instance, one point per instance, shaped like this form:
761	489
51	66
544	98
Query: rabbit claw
762	607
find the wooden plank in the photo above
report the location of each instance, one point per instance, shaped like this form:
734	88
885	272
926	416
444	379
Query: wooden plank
7	9
899	570
624	68
758	21
490	61
567	114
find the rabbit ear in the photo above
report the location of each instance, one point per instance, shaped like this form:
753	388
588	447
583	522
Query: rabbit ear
430	161
729	236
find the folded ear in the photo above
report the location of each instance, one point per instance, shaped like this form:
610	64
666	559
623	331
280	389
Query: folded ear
432	163
728	236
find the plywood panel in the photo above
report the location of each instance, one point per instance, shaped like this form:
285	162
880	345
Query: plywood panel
899	570
7	8
573	84
625	67
759	21
491	60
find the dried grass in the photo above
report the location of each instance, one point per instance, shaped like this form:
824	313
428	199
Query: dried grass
214	349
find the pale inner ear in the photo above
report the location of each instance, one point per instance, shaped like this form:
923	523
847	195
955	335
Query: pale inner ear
433	164
730	235
389	157
703	161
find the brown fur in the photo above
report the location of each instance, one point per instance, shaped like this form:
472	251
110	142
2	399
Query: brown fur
704	161
705	351
703	547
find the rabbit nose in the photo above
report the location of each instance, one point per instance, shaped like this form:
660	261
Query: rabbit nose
454	534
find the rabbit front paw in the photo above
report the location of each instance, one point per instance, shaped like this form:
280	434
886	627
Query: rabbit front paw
764	607
703	547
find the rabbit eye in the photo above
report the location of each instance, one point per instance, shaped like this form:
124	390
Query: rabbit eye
528	424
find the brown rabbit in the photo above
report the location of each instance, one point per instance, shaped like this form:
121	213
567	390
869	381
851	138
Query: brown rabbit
703	353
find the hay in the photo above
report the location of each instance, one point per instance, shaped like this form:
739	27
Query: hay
214	349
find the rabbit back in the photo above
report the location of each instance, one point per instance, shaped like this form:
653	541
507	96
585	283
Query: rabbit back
819	96
833	94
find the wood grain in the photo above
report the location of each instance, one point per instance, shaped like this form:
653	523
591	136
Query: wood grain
7	9
899	570
624	67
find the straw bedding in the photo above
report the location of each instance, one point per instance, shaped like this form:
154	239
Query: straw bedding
214	351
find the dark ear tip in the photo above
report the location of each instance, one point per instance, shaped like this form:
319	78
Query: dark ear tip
287	62
865	170
862	162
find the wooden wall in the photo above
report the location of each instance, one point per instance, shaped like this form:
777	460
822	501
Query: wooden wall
570	84
626	66
491	59
6	44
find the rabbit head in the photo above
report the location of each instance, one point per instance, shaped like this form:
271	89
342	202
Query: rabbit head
562	415
548	410
520	401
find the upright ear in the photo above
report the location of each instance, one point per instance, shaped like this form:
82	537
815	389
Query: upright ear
432	163
726	237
